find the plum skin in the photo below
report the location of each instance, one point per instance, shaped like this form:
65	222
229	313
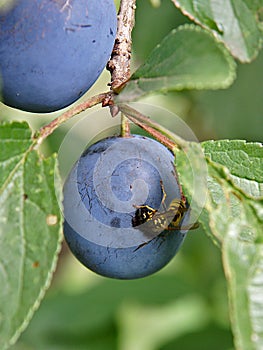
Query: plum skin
130	261
52	52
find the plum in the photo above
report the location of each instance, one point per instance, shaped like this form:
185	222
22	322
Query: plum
115	189
52	51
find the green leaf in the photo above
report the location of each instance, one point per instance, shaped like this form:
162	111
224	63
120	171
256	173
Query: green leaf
187	58
30	228
238	222
230	208
243	265
237	23
244	161
15	140
235	221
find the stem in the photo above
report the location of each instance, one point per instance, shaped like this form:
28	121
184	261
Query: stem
48	129
120	62
154	128
155	133
125	126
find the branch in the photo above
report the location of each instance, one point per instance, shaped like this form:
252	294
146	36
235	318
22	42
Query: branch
155	133
119	64
48	129
152	125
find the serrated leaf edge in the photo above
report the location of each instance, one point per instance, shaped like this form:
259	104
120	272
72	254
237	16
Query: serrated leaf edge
231	63
242	142
43	290
186	86
216	34
227	177
227	171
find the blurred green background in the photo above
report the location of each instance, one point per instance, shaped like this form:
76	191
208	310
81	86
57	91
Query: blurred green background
185	305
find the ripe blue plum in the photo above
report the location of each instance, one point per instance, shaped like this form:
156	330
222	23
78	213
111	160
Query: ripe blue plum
52	52
111	181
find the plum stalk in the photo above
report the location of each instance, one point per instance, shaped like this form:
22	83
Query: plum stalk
48	129
160	133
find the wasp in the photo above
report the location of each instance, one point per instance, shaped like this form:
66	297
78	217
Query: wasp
154	221
170	219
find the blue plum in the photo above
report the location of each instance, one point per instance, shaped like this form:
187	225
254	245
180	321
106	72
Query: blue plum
102	194
52	52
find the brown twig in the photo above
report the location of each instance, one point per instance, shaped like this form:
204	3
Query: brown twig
159	129
48	129
119	64
155	133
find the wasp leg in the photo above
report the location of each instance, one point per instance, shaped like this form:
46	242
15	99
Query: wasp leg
186	227
144	206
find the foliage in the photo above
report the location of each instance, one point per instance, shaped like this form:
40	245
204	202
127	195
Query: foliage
30	228
170	67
